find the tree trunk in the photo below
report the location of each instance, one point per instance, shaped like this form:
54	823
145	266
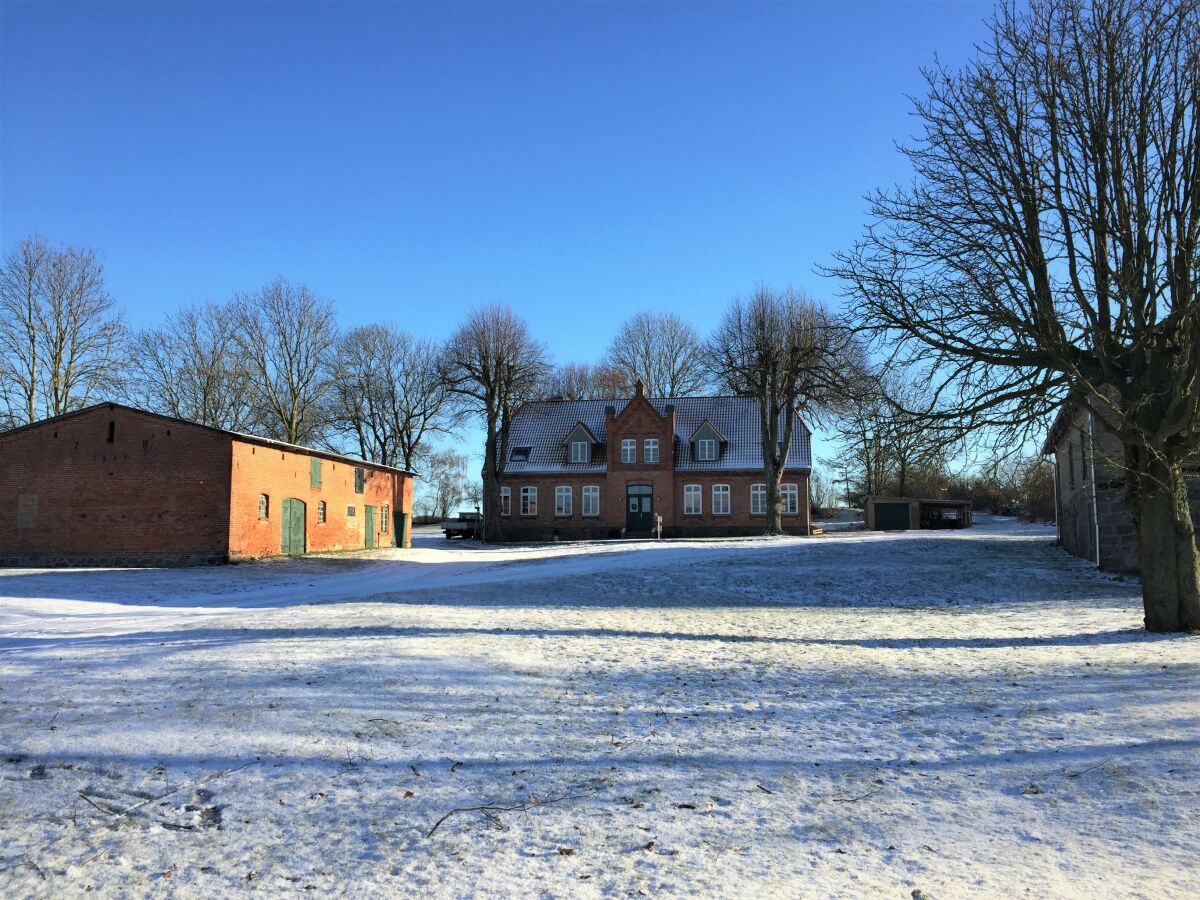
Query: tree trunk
774	513
1166	539
491	489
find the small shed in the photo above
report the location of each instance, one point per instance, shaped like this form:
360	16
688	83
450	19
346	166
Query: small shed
904	513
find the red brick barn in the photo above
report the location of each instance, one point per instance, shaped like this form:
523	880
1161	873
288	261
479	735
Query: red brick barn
111	484
605	468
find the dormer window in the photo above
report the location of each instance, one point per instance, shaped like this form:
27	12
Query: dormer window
520	454
581	452
706	450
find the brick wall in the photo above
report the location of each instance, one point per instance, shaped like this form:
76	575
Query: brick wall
158	492
668	502
283	475
1077	494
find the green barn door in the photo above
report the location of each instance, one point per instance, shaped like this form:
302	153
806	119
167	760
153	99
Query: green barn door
293	527
369	525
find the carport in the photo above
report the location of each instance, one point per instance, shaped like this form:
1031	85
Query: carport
904	513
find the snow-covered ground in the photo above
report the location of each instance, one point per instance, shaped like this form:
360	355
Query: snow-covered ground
855	714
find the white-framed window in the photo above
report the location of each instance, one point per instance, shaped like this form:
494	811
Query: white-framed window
321	512
790	495
579	451
385	514
591	500
562	500
758	499
529	501
264	506
691	500
506	501
720	501
650	450
629	450
706	449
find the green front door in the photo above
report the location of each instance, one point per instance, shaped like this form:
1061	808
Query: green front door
369	525
293	527
639	508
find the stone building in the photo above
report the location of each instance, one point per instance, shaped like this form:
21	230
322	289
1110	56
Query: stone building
1092	509
114	485
607	468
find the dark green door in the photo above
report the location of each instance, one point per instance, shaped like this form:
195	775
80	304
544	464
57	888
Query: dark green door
293	526
369	525
891	516
639	508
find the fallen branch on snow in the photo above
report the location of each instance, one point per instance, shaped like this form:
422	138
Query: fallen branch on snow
491	809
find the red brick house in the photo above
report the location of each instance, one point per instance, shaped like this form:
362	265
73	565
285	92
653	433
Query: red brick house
604	468
111	484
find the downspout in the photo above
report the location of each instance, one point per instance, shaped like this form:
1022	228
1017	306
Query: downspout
1057	500
1092	457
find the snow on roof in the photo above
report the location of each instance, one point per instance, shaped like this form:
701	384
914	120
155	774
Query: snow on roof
542	426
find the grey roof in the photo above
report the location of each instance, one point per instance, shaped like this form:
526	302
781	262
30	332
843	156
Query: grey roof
543	425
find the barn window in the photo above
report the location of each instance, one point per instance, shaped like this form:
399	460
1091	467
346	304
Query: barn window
629	451
706	449
591	500
383	518
314	473
720	500
321	512
529	501
351	512
506	501
563	500
112	431
1083	466
650	450
758	499
692	504
360	478
264	506
789	494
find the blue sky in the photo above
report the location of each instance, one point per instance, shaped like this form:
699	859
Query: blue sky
581	162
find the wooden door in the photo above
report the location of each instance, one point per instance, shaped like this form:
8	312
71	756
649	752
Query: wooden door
639	508
293	539
369	527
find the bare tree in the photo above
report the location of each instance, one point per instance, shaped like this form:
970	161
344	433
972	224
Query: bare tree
388	394
60	334
662	351
1049	249
21	303
190	368
284	333
446	476
493	364
580	381
786	351
891	430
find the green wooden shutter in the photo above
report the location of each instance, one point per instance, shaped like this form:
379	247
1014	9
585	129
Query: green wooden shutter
314	473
